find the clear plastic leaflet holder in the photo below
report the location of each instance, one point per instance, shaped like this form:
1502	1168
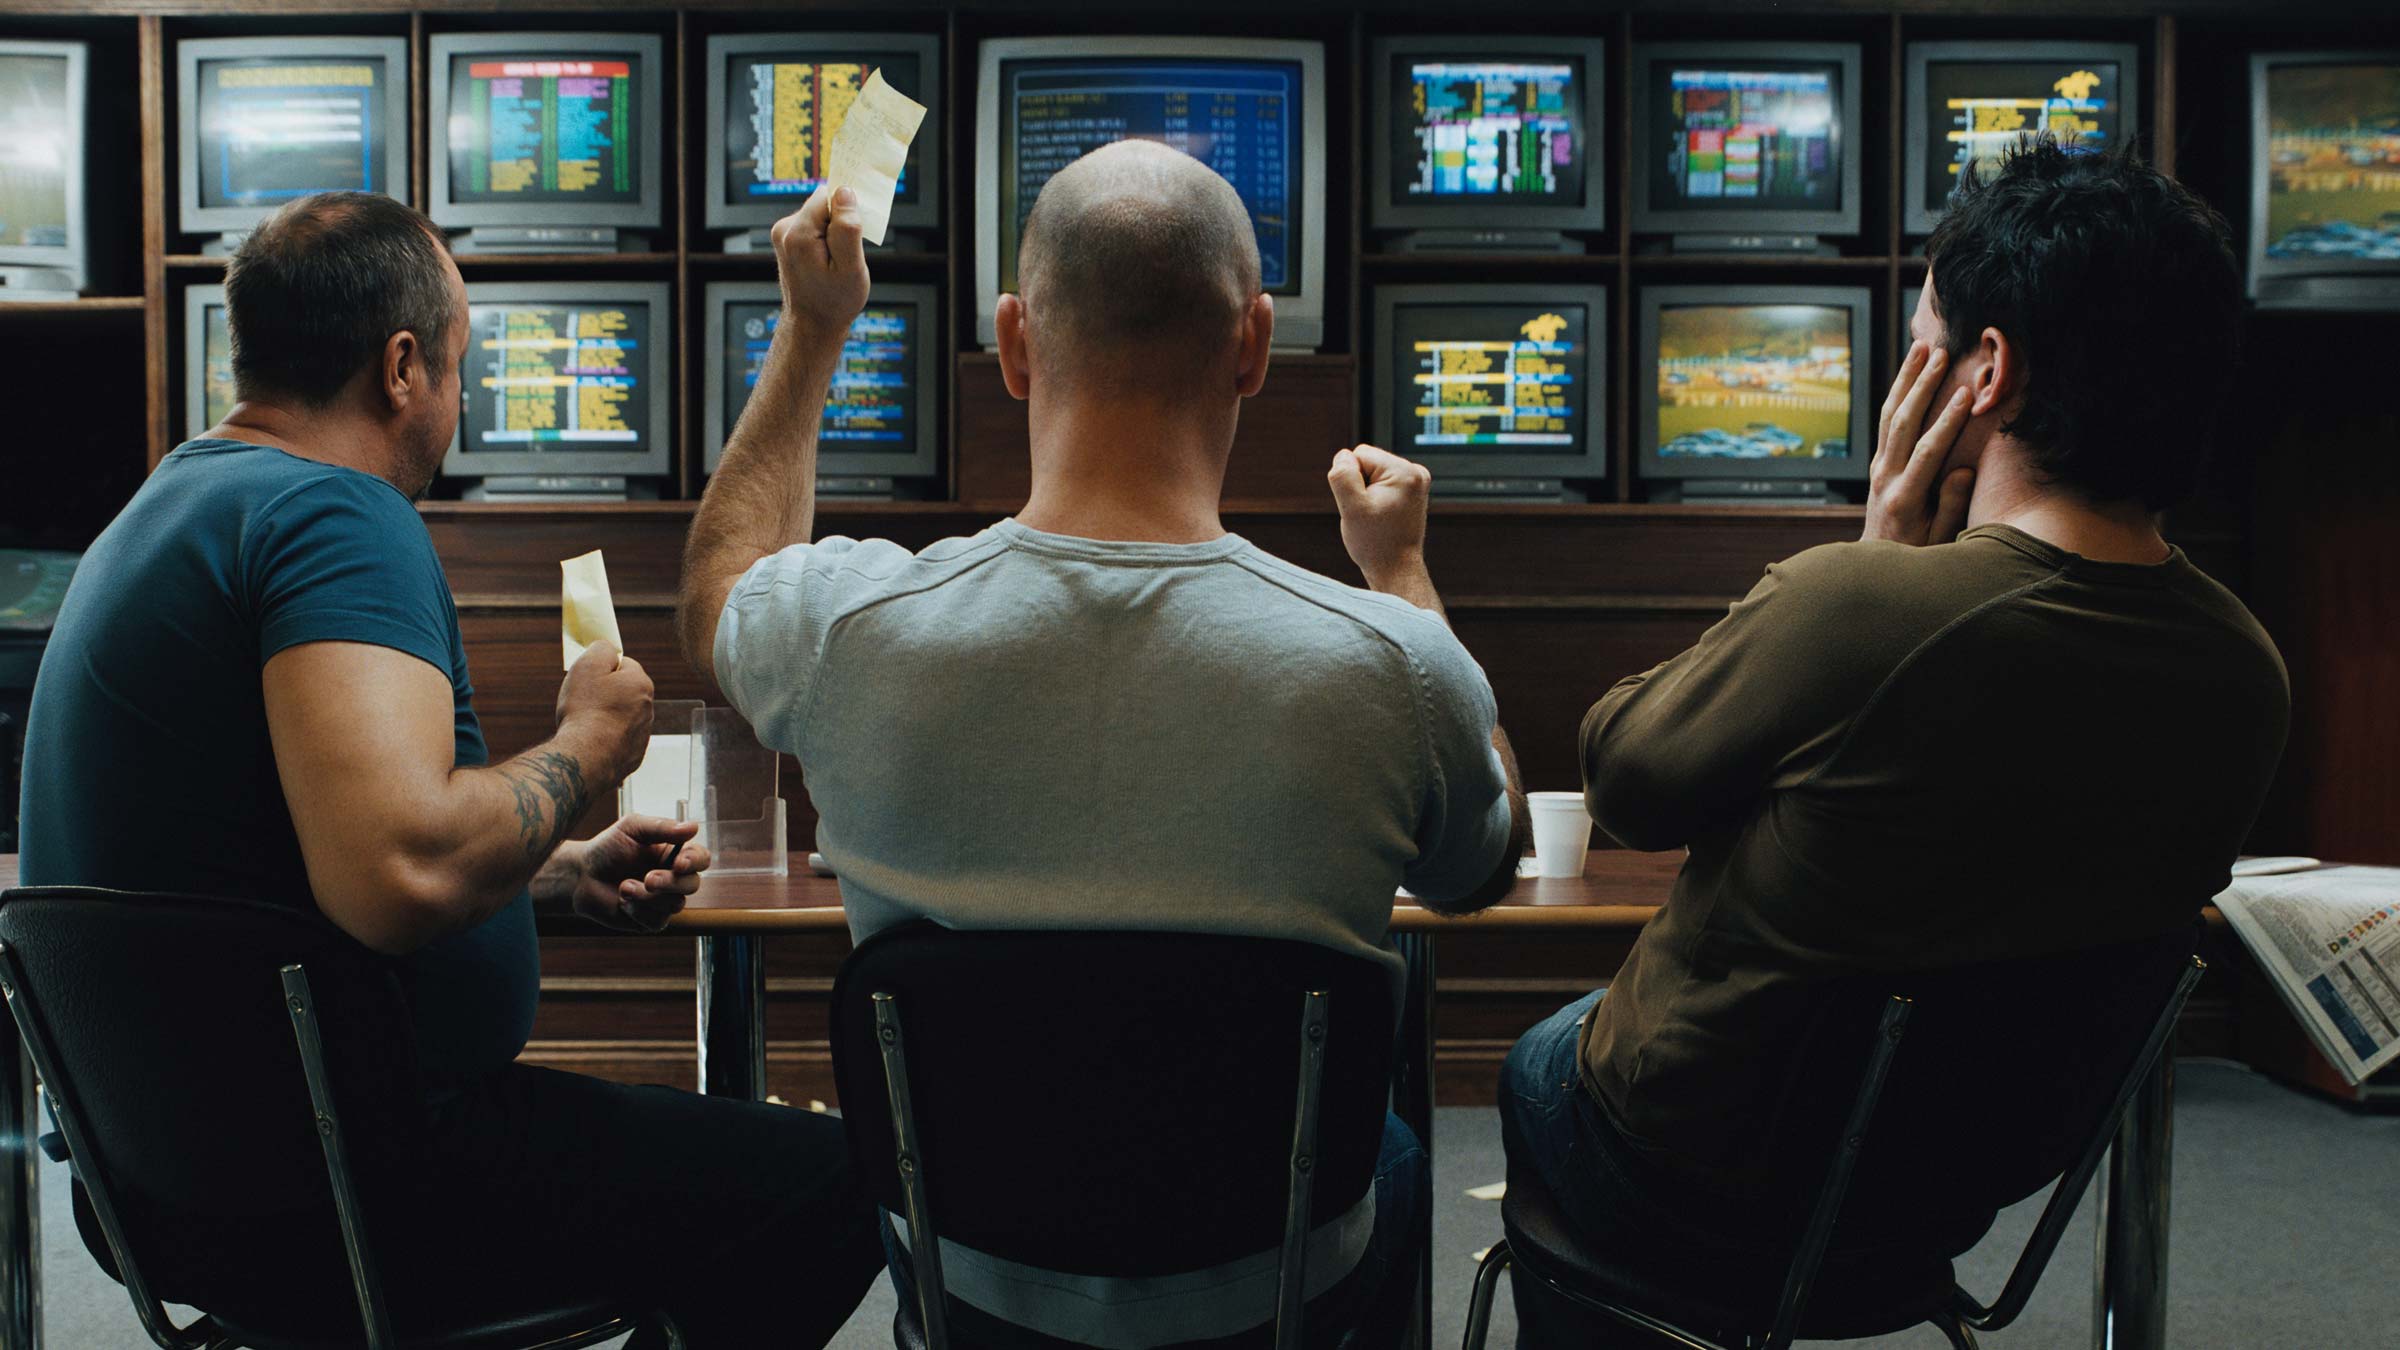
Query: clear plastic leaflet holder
705	764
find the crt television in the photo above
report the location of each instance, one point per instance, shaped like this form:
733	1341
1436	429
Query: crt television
42	224
879	422
207	359
2325	180
1253	109
557	133
776	99
1746	144
1483	142
1500	390
1751	391
1969	102
565	379
260	121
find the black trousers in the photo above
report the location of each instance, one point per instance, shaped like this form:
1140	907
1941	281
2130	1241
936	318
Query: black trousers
739	1220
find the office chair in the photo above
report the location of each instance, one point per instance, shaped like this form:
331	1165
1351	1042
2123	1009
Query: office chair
196	1069
1925	1112
1109	1104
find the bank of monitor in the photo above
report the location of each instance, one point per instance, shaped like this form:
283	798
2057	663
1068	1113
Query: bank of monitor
1500	390
1969	103
546	142
207	360
1487	143
1752	393
1749	146
260	121
1253	109
2325	180
43	231
775	101
877	437
567	388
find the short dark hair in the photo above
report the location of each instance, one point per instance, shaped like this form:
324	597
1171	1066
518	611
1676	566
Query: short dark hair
314	292
2117	287
1141	263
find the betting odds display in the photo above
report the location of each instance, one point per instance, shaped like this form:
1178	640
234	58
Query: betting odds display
872	403
1496	127
556	376
1760	135
1241	118
34	122
1979	110
272	129
1491	376
781	113
543	130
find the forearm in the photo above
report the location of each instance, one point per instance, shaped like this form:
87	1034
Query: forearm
1408	579
762	497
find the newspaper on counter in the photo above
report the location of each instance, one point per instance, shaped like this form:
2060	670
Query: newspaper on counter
2329	941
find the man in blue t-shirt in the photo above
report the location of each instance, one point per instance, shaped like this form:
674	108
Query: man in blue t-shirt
257	688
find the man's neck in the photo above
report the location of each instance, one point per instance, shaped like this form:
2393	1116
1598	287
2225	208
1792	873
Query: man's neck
1126	472
2007	492
332	436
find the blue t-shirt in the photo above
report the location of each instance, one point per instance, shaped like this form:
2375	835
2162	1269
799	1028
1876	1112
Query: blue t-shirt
147	761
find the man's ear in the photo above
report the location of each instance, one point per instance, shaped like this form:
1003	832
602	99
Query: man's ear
406	374
2000	378
1016	361
1258	340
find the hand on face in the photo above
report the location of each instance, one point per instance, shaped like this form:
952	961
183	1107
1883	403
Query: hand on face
637	872
821	256
1910	499
1383	500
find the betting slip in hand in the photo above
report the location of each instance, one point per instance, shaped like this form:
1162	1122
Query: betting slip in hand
870	149
588	614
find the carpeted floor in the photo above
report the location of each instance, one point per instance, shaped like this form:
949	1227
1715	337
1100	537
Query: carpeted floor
2286	1219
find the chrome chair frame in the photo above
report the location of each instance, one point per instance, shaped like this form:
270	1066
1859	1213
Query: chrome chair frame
1965	1315
925	1241
206	1332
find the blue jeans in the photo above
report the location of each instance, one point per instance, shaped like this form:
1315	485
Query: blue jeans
1551	1125
1368	1309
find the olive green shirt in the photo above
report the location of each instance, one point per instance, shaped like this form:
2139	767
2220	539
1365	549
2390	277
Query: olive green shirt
1891	758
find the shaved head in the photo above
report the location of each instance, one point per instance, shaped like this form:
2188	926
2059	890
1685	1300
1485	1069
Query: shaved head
1138	267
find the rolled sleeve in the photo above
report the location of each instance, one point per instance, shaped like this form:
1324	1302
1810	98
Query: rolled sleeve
1463	831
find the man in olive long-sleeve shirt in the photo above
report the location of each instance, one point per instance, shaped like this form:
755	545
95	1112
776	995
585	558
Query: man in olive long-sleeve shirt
1930	747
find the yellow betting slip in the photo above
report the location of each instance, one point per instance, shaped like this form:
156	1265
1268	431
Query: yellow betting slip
870	149
589	614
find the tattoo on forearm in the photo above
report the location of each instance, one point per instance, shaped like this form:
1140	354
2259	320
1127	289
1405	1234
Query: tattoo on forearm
550	795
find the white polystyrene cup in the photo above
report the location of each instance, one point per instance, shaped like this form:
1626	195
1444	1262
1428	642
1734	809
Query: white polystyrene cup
1562	833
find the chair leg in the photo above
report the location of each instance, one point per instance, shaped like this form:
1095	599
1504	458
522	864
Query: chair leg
1960	1337
1487	1285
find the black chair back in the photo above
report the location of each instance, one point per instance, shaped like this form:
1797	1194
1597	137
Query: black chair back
1112	1103
2007	1073
175	1050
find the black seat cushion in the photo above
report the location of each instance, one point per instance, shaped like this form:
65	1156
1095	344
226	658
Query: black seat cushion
511	1331
1858	1293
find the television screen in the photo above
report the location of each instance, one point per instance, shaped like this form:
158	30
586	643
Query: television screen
872	405
216	367
275	128
36	128
540	128
1977	110
1491	378
1240	117
1505	127
557	375
782	110
1746	136
1754	381
2333	162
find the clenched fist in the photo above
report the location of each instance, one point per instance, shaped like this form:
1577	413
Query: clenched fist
1382	499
